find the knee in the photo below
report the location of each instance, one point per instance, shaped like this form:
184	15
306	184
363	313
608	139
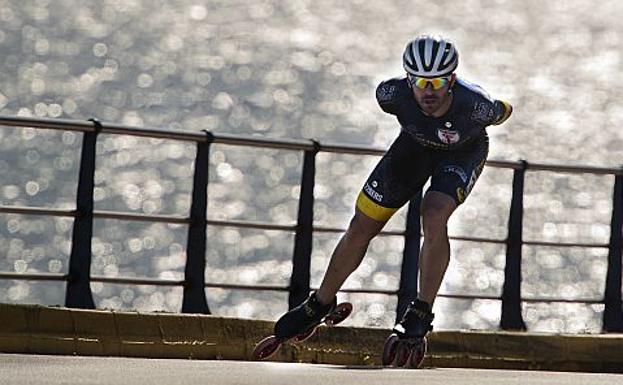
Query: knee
362	229
434	222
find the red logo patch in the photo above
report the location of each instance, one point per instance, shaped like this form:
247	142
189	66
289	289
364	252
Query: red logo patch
448	136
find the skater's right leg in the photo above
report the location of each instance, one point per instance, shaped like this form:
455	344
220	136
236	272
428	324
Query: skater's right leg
390	185
396	178
348	254
346	257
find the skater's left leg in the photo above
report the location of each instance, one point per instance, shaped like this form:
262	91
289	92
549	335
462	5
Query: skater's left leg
451	183
436	209
434	258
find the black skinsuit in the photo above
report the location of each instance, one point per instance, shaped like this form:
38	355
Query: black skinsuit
451	149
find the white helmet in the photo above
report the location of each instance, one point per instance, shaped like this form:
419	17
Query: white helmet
430	57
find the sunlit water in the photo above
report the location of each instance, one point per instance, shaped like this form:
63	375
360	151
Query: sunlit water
302	69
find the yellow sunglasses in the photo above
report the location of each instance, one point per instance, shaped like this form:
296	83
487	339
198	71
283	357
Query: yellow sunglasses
422	83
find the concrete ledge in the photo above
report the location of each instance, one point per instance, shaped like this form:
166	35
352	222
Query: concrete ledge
53	330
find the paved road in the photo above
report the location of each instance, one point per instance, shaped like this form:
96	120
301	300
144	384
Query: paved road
34	369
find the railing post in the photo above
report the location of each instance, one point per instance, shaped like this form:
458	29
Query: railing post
301	260
194	272
78	292
408	289
511	295
613	311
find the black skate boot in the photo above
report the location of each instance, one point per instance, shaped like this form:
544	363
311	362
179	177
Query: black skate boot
300	323
416	322
303	319
406	346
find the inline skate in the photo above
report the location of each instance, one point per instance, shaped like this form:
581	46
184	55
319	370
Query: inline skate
300	323
407	344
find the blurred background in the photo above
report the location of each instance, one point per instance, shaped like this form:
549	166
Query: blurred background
302	69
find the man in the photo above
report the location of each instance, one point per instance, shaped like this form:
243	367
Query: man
443	138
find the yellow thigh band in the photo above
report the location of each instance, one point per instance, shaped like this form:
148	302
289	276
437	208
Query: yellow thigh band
373	209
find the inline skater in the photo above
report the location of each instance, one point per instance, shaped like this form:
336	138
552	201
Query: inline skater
443	138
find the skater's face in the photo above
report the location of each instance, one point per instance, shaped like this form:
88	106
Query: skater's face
431	94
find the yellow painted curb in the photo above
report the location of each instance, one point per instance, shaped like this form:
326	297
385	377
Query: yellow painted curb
54	330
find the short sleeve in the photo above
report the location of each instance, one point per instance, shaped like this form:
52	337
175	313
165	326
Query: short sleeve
388	96
491	112
503	111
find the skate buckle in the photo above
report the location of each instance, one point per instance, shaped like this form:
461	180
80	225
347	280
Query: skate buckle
399	329
308	310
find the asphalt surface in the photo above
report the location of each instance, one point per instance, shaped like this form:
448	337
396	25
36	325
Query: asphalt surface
37	369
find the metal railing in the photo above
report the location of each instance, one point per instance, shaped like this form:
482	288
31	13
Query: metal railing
78	278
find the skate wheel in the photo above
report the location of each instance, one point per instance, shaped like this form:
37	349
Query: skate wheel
339	314
417	352
389	350
266	348
402	354
305	336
